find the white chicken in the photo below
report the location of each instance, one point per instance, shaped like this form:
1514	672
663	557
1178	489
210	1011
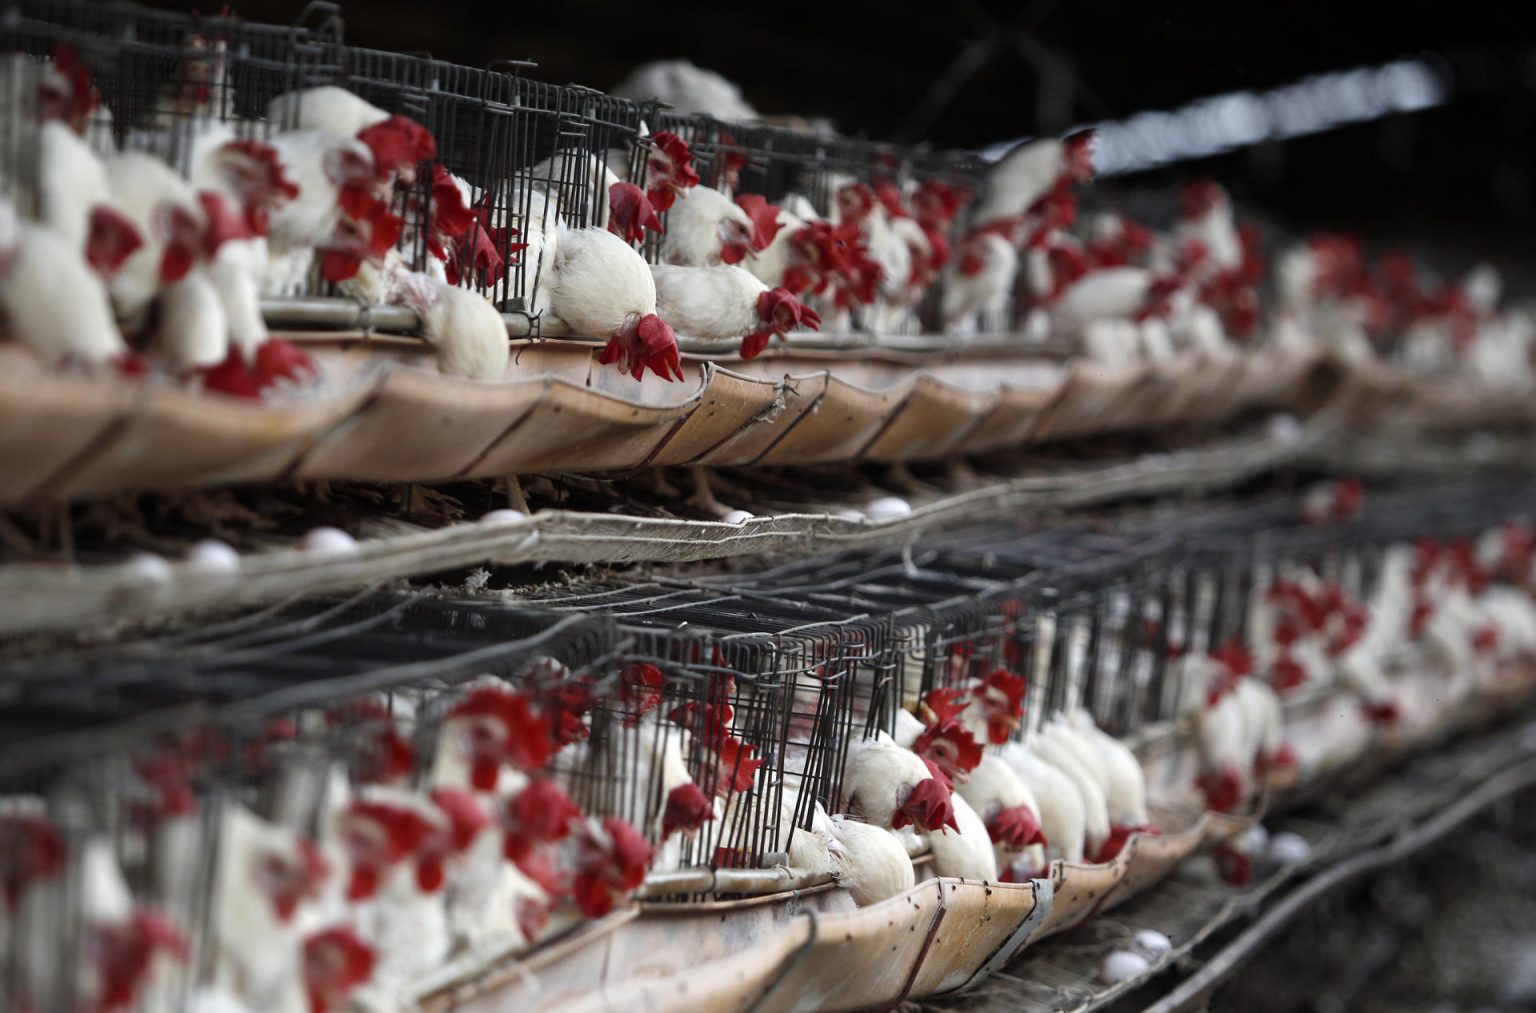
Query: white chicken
126	948
1221	728
601	287
727	303
1208	222
164	209
1263	722
1062	814
383	837
1057	750
978	281
327	107
964	851
1030	171
239	183
321	164
705	228
687	89
1125	788
870	863
892	787
539	230
265	878
491	901
54	303
1011	815
75	199
1111	293
1515	618
467	332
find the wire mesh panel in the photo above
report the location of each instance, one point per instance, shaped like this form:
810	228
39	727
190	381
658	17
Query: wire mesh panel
711	713
758	696
515	158
141	79
128	788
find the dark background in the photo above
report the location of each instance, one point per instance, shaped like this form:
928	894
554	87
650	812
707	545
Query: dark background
1460	176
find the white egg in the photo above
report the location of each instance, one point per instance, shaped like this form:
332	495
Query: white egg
1286	847
213	558
887	508
1122	965
737	517
148	568
329	542
504	519
1153	941
1284	428
1256	839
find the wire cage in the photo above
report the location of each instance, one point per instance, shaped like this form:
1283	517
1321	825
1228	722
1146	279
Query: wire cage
123	778
757	699
143	79
521	153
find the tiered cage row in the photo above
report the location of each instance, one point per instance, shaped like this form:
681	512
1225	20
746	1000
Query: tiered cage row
750	687
157	80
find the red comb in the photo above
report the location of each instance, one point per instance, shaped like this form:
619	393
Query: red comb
1001	698
528	739
1222	788
1079	155
542	813
734	766
336	961
677	152
1011	687
32	849
765	219
630	212
641	690
110	240
733	157
889	196
266	156
451	215
929	807
183	241
781	312
1287	673
710	721
124	952
754	344
1384	713
610	868
951	746
1235	657
1233	866
398	143
855	201
1198	197
404	831
653	347
943	704
1015	827
466	816
936	204
225	224
688	808
1119	833
384	232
